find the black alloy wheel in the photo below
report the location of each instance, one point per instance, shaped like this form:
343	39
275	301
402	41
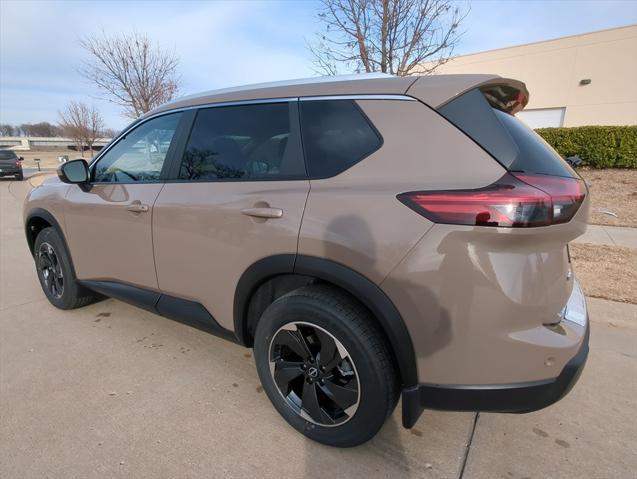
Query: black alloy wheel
51	270
314	373
325	365
56	274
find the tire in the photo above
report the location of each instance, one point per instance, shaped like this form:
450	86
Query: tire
316	315
56	274
20	176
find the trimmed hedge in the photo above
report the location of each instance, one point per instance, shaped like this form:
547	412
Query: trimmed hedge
597	146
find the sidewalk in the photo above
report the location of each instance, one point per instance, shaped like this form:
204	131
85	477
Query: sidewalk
609	235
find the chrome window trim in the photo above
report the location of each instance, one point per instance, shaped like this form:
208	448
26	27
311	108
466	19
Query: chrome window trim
371	96
182	109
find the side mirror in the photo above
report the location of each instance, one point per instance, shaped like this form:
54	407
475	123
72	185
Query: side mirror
75	172
20	158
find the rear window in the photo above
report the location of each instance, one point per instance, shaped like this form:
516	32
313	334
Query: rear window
507	139
336	136
7	155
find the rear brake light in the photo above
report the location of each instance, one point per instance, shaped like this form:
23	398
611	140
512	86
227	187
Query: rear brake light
513	201
567	194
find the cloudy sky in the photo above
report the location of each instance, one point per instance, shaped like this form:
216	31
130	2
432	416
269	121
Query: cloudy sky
228	43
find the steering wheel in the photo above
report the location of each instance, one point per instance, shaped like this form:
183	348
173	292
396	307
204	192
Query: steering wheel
113	171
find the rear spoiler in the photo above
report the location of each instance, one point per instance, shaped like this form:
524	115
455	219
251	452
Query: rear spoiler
506	97
505	94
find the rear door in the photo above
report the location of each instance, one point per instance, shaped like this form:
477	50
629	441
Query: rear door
236	195
109	226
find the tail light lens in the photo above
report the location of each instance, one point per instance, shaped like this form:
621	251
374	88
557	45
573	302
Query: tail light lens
519	201
567	194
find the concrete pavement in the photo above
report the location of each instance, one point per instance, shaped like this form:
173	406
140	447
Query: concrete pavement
113	391
610	236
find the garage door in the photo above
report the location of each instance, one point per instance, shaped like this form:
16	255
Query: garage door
543	117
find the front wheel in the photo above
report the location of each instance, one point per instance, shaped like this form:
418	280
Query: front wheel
326	366
56	274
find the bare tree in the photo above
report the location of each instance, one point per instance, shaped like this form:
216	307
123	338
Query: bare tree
131	71
83	124
7	130
43	128
94	128
400	37
24	129
109	133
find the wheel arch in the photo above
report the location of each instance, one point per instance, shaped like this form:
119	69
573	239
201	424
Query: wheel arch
36	221
307	269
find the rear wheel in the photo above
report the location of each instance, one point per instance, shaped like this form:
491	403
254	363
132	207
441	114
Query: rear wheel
55	273
325	366
19	176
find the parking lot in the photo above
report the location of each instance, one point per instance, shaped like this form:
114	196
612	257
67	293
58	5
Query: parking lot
114	391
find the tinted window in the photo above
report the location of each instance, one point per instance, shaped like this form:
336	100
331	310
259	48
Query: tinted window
336	135
140	155
507	139
244	142
7	155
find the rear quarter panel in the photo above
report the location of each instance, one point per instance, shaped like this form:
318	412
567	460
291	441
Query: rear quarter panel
355	219
475	301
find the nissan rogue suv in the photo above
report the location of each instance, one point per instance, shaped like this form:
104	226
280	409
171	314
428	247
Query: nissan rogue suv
371	238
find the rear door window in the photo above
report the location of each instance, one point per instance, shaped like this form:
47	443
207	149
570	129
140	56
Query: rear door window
507	139
336	136
244	143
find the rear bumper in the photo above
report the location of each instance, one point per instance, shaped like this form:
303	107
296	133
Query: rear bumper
508	398
5	171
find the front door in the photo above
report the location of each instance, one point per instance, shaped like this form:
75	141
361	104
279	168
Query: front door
109	226
237	196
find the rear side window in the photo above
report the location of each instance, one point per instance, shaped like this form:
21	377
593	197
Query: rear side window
507	139
244	143
336	135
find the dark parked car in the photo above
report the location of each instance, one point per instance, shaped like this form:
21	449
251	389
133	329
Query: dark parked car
11	164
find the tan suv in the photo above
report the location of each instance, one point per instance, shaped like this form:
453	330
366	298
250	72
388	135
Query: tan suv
370	238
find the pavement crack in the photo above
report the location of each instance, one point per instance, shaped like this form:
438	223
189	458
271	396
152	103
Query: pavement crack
468	447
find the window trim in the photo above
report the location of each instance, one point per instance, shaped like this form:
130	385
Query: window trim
141	121
357	97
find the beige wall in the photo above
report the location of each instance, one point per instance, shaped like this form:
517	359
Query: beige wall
553	69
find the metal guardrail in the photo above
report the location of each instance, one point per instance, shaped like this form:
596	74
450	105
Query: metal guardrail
27	142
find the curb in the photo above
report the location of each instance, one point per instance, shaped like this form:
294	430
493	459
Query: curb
37	175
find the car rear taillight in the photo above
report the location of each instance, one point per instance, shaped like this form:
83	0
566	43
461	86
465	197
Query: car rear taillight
567	194
519	201
17	163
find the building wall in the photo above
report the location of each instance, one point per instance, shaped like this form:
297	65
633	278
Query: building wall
552	71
